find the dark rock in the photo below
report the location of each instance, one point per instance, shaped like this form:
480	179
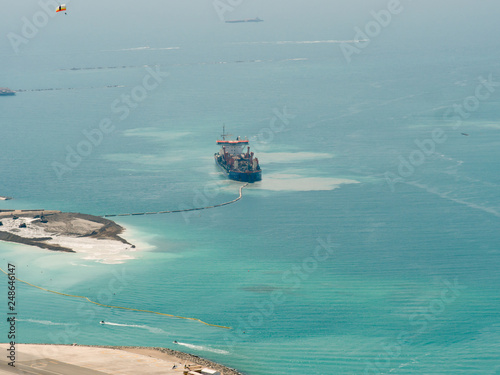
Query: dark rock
5	236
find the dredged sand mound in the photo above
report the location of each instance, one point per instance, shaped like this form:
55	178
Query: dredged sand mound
63	231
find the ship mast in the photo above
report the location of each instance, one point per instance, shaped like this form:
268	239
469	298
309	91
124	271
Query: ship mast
224	135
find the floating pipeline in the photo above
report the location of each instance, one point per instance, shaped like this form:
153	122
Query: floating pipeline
117	307
141	310
176	211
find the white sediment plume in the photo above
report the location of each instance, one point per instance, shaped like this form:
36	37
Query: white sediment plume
99	250
294	182
292	157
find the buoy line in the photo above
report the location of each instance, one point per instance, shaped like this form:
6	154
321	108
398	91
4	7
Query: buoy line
175	211
117	307
141	310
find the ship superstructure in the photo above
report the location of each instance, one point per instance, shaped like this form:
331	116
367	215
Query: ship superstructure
237	163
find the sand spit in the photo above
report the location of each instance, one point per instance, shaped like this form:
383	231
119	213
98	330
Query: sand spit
63	231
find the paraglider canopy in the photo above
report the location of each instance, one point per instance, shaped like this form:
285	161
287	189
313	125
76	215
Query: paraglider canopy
61	8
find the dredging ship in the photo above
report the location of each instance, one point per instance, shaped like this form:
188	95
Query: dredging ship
246	20
237	164
4	91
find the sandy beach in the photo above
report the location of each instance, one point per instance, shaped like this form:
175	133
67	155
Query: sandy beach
116	360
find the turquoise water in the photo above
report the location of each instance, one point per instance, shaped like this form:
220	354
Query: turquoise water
408	282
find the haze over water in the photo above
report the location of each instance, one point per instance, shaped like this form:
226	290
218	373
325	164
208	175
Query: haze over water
372	243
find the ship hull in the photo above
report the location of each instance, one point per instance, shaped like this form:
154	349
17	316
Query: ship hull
239	176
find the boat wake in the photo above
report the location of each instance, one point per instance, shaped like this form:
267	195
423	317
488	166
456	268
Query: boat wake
203	348
150	329
46	322
145	48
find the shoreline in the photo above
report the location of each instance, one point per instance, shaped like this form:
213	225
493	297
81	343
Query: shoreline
177	354
168	357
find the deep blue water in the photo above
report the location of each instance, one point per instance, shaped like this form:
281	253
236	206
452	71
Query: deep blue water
409	284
